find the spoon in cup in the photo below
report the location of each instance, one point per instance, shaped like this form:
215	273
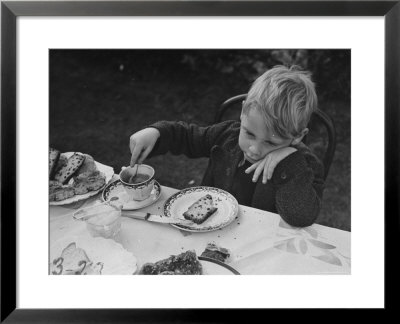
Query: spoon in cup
134	172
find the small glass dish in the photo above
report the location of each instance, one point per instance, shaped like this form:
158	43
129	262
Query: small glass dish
103	220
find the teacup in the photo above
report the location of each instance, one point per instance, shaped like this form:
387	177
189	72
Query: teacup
138	186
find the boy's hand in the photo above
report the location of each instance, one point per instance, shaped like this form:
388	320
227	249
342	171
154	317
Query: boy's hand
268	164
141	143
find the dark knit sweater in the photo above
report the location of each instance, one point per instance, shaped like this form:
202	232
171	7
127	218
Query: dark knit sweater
294	191
243	185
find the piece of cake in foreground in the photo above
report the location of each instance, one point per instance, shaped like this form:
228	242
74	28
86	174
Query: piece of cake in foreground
185	263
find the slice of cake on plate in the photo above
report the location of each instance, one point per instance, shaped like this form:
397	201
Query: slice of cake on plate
67	171
201	209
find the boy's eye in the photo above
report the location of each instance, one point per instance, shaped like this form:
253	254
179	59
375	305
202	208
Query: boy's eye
270	143
249	134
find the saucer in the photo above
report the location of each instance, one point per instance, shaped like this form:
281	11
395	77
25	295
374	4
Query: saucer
116	189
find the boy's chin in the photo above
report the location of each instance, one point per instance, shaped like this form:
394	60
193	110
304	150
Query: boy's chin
249	159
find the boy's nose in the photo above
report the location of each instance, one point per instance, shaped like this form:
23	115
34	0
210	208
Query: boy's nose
254	150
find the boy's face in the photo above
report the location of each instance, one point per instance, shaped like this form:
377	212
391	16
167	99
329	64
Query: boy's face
255	140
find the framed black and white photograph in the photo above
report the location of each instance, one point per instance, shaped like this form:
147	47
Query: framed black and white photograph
249	146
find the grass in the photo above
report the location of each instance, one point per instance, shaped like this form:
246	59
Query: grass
98	99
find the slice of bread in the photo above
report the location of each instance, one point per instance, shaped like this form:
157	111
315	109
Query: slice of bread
200	210
72	166
54	156
88	166
62	162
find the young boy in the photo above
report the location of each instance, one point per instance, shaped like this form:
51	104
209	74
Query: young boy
267	140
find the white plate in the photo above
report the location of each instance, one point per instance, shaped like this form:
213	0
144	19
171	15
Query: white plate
227	206
116	260
116	189
106	170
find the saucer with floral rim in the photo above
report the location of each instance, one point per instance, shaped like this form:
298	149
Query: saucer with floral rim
116	189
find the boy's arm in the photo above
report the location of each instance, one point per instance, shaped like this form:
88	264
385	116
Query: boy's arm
192	140
299	181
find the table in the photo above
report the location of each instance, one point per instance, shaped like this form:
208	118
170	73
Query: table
260	242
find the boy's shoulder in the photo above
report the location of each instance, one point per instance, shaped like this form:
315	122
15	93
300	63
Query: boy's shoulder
306	151
228	132
312	159
303	148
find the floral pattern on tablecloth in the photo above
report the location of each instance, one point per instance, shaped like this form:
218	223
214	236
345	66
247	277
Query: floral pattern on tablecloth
307	241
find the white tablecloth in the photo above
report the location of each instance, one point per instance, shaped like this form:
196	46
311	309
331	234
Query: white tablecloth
260	242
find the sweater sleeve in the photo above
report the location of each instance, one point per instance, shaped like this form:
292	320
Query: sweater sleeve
194	141
299	182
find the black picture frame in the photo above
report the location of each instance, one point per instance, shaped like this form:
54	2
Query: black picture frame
10	11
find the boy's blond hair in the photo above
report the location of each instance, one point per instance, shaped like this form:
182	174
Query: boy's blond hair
285	97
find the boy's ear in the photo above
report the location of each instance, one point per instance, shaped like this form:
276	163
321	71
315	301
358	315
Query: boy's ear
299	138
241	114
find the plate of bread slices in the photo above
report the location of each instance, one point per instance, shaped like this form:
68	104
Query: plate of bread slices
208	208
75	176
